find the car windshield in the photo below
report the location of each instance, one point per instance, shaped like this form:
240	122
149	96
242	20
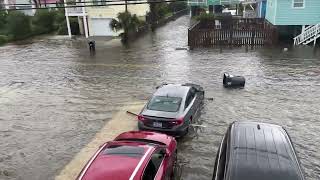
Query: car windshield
164	103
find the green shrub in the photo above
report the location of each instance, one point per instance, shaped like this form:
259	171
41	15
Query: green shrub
18	25
74	25
3	20
204	17
43	21
177	6
59	16
3	39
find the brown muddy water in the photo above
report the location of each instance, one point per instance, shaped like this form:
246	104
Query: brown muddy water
54	97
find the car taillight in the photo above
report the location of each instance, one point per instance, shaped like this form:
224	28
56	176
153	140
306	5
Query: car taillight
141	118
178	121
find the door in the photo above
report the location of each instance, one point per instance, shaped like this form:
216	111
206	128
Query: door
153	165
100	27
192	103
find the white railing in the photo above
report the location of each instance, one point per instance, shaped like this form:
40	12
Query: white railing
225	2
75	10
197	2
310	34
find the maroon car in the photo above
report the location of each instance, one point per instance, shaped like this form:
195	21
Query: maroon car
134	155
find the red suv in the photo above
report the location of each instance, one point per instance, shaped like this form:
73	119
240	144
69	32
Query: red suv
134	155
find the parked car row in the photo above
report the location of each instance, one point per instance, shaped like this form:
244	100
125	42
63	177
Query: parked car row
248	150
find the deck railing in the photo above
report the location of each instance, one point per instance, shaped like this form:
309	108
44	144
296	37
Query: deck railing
231	31
310	34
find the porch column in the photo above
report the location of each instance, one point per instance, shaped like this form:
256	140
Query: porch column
85	21
67	18
68	26
6	6
85	24
303	28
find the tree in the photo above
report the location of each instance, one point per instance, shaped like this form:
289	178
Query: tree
3	19
19	25
43	21
125	22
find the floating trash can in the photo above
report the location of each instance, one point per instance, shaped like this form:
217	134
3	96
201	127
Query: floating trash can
230	81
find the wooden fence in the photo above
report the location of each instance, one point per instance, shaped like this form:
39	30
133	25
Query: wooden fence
236	32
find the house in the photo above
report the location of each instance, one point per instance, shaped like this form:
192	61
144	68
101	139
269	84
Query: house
20	4
289	14
257	8
49	3
95	20
212	5
261	8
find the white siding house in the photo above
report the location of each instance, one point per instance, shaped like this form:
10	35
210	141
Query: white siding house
94	21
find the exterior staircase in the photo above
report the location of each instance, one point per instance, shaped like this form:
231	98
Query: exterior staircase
310	34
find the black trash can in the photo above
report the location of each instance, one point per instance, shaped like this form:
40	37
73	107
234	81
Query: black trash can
92	45
230	81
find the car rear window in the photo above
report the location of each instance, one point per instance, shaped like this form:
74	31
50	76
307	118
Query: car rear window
131	151
164	103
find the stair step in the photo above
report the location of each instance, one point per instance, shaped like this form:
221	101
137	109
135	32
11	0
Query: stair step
311	40
300	39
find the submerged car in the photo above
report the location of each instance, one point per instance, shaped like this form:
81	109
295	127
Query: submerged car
252	151
172	109
134	155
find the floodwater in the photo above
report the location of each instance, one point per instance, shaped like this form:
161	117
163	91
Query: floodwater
54	97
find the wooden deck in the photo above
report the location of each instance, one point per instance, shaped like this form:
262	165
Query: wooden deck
232	31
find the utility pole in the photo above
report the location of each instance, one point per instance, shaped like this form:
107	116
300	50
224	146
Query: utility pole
126	1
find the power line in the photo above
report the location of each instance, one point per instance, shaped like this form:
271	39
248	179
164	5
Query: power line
68	3
131	2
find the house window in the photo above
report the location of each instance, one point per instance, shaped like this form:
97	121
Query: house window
298	3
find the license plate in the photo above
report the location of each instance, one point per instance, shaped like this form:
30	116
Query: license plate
157	124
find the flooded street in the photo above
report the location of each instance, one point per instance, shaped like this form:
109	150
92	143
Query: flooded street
54	97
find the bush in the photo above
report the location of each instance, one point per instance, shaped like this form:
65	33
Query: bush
59	16
204	17
177	6
3	39
3	20
18	25
74	25
43	21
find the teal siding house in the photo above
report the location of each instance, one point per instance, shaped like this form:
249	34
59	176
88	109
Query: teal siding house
293	12
296	18
206	3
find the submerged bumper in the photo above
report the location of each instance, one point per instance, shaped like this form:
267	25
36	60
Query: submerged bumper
176	131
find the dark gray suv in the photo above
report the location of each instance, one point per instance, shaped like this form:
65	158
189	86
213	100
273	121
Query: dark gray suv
256	151
172	109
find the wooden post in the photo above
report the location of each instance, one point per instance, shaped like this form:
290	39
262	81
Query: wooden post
126	2
67	19
85	21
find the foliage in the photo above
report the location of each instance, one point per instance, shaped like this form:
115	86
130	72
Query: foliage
127	22
177	6
18	25
43	21
204	17
60	16
3	19
3	39
74	26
